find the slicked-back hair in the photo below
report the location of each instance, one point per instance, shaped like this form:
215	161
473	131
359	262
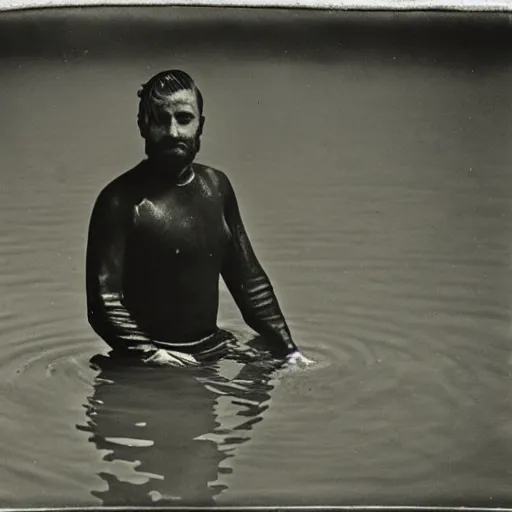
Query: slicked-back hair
156	90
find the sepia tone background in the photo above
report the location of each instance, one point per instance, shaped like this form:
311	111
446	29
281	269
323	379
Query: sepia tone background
371	157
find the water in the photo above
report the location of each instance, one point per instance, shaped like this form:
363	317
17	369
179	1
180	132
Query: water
376	193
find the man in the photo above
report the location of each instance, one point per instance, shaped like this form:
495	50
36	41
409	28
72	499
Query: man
162	234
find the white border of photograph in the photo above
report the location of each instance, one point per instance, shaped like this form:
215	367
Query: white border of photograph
462	5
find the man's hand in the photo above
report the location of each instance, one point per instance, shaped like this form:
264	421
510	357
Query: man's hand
171	358
298	359
142	347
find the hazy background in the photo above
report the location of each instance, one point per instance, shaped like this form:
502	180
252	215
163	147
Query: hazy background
371	157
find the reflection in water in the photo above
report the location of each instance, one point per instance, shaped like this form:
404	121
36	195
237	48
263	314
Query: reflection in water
166	431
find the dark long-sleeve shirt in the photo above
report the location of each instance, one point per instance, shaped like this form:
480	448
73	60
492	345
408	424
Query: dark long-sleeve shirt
154	257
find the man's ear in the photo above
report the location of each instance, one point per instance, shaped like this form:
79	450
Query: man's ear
201	125
142	127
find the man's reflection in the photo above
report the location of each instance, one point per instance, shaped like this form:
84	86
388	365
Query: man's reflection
166	431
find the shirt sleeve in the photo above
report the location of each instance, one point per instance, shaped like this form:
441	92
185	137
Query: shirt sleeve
110	220
249	284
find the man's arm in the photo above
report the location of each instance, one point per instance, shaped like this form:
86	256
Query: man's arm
110	220
248	283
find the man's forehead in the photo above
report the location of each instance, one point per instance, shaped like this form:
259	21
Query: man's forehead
182	99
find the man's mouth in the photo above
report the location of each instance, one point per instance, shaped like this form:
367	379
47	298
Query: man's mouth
175	147
170	149
178	145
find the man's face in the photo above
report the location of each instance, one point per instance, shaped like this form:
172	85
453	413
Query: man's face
173	135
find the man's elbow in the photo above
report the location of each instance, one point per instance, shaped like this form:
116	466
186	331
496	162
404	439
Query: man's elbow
102	330
96	322
91	318
254	322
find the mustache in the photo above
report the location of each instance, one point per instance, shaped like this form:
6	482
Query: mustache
171	142
165	146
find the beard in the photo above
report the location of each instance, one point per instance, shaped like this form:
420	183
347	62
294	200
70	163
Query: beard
173	154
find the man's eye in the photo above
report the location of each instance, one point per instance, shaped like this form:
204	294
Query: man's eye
184	118
162	118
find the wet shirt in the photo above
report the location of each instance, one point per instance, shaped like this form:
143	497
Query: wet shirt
154	258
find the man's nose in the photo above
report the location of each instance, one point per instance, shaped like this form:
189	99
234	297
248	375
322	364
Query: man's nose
174	129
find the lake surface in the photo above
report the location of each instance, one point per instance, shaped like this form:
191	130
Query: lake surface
376	187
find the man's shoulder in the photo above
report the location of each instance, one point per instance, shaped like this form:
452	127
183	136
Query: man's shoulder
120	188
212	172
216	177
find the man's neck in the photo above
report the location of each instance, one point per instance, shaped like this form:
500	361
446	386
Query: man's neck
171	173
